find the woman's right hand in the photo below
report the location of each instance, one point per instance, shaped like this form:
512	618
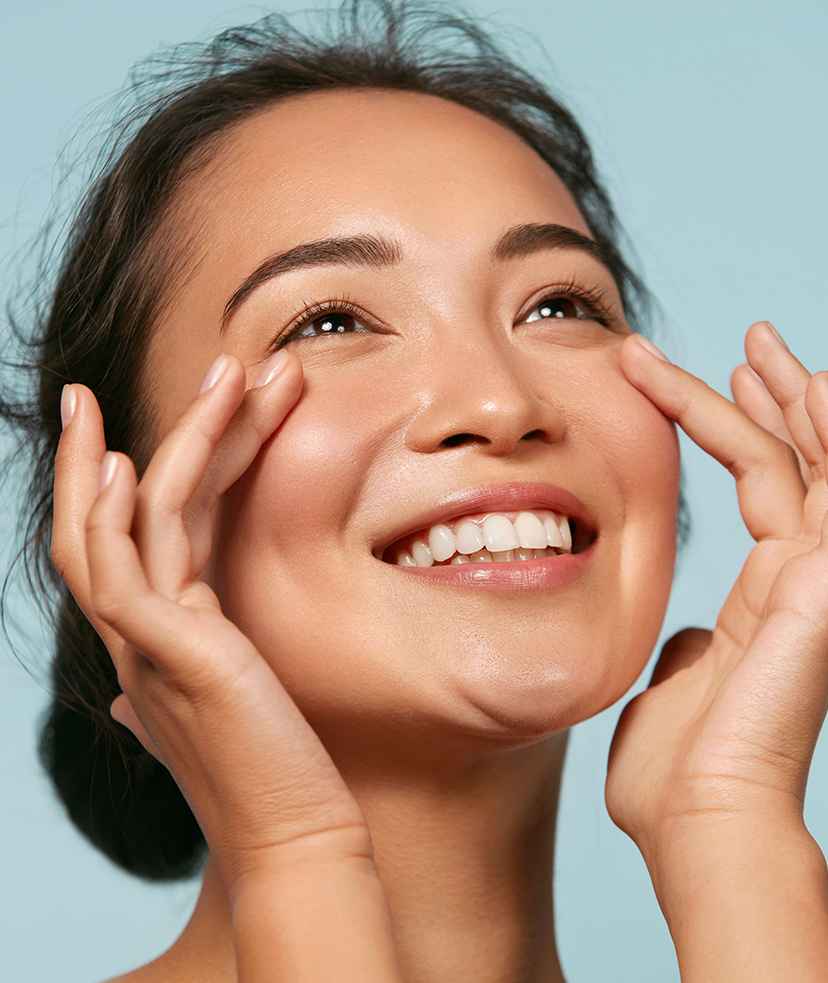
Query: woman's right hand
266	794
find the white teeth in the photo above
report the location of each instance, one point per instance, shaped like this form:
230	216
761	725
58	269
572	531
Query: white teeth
566	533
531	536
499	534
421	553
553	532
469	537
441	543
530	531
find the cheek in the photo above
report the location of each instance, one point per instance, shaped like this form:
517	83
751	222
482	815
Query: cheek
646	458
307	475
281	526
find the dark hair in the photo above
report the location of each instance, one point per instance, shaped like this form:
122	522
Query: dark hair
118	268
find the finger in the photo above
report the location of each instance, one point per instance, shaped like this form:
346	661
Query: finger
786	379
121	595
77	467
264	408
770	489
752	396
816	404
207	451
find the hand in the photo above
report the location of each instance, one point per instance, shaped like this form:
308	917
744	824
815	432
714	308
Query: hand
198	694
729	723
708	766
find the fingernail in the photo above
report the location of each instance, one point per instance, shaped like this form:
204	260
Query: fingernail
777	335
109	465
651	348
68	402
214	373
273	366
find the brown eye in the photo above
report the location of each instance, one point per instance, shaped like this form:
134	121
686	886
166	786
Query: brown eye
334	322
558	307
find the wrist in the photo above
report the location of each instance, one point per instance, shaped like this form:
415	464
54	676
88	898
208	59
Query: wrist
261	869
314	909
744	897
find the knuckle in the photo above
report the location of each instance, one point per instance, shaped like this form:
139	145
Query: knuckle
108	605
786	454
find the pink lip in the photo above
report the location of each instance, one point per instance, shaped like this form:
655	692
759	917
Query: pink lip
497	498
553	571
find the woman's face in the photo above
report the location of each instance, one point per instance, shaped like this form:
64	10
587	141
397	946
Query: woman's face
470	367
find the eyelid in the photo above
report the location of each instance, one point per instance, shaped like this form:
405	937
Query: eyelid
317	309
593	299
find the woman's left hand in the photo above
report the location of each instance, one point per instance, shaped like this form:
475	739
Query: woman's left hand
709	765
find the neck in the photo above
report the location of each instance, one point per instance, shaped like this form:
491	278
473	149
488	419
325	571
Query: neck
466	861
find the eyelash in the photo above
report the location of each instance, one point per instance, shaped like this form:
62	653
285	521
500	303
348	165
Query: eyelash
316	311
590	300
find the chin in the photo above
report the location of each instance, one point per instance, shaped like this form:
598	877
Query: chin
536	699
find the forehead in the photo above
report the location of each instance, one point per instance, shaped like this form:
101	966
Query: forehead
331	163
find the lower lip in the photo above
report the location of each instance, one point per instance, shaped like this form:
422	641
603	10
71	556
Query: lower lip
550	572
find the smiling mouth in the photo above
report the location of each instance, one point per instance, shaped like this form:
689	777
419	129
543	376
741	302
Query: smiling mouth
490	537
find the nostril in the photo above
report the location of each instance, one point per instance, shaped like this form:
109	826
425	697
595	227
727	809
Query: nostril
531	435
457	438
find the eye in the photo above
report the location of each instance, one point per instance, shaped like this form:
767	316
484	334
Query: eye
336	322
558	307
324	320
572	302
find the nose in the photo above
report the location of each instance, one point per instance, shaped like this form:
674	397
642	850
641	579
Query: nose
482	394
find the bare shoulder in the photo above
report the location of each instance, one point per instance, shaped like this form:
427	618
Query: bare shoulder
158	971
169	968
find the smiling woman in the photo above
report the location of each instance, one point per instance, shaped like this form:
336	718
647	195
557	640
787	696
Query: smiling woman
403	510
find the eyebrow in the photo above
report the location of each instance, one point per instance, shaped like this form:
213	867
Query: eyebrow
523	240
361	250
376	253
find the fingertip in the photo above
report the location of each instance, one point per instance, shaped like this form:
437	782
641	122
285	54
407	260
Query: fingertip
273	367
281	364
214	373
639	356
761	338
68	404
745	377
113	465
650	349
109	468
776	335
816	405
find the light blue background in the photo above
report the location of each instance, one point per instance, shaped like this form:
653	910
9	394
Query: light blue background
709	119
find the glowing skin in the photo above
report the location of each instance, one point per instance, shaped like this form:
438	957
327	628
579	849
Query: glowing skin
455	345
469	390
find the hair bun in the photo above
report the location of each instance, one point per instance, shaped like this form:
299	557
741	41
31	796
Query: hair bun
123	801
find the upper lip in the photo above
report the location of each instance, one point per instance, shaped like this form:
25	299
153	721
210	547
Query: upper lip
493	498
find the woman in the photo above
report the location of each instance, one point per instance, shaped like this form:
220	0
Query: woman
485	315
